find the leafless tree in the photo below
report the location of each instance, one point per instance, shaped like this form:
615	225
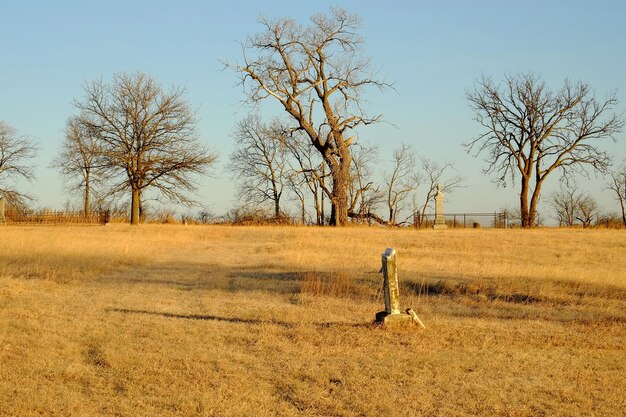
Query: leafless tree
80	161
364	195
15	152
431	175
401	181
532	131
147	136
565	204
296	184
617	184
259	162
317	76
307	168
587	210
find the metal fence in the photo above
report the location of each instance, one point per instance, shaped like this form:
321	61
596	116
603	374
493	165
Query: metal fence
55	217
498	220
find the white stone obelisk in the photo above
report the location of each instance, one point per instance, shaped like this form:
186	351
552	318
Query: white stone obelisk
440	221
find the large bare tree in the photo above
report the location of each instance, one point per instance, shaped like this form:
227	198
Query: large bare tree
259	162
531	131
317	76
147	136
15	152
80	161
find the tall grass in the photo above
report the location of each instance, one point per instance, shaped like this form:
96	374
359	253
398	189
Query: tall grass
235	321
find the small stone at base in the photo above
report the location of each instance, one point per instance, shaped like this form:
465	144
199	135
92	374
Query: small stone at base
394	320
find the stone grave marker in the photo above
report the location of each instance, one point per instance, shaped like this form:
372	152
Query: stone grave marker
440	221
392	316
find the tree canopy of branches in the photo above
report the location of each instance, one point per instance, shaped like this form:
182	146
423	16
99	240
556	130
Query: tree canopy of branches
147	137
317	76
80	161
531	131
258	162
15	152
617	184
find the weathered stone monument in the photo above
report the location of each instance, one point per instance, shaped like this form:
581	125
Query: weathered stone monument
440	221
392	316
2	219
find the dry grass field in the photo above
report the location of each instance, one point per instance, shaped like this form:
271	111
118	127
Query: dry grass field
276	321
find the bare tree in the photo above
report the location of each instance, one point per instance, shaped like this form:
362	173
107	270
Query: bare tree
80	161
565	204
307	168
317	76
15	152
258	162
364	195
531	131
147	136
431	175
587	210
401	181
617	184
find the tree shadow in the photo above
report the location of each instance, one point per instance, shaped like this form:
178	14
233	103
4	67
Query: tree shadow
207	317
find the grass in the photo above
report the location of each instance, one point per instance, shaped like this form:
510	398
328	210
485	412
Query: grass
241	321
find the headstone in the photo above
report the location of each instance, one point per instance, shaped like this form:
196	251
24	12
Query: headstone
392	316
2	219
440	221
390	281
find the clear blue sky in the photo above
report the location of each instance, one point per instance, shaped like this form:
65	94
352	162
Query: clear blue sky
431	51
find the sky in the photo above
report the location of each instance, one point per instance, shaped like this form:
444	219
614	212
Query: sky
432	53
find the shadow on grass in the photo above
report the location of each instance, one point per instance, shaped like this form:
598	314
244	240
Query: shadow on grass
233	319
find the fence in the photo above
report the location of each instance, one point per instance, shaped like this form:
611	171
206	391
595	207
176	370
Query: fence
55	217
467	220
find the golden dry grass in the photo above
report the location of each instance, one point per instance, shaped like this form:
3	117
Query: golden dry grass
256	321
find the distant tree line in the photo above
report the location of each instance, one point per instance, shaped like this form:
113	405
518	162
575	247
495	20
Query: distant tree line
131	137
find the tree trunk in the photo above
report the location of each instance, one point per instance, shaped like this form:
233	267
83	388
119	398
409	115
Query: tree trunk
340	171
86	208
532	211
134	207
276	207
523	197
622	198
